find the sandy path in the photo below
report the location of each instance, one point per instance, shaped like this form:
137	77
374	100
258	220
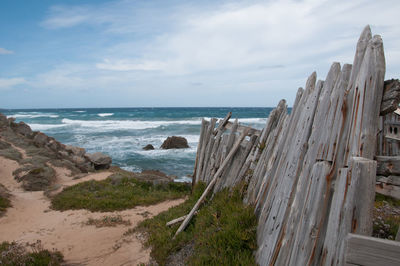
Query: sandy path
31	219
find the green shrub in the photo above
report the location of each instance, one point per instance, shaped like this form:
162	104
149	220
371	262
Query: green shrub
223	231
13	254
107	195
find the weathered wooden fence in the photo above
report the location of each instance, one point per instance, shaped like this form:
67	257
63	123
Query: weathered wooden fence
311	174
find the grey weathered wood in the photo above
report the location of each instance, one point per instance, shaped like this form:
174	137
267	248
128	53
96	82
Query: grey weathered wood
352	206
371	251
309	182
223	123
241	128
367	99
388	189
346	117
398	235
199	146
281	193
211	184
177	220
203	146
388	165
391	96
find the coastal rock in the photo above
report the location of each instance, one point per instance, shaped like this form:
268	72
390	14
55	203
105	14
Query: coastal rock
22	128
3	119
148	147
175	142
38	179
75	150
154	176
99	160
40	139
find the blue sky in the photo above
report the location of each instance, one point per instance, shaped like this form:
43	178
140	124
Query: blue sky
125	53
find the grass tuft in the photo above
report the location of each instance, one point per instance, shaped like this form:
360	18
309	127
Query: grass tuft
4	200
13	254
224	231
108	221
107	195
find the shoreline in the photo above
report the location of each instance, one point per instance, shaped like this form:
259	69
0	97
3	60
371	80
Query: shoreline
30	217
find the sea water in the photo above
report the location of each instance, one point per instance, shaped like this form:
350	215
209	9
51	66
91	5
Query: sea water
123	132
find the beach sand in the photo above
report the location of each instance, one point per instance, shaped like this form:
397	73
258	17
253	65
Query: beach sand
30	219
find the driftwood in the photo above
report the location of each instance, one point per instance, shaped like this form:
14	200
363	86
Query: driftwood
369	251
211	184
177	220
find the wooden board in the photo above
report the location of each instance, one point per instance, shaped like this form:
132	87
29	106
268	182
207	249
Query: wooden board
371	251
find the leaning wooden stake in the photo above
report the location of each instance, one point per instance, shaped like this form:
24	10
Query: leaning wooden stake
211	184
177	220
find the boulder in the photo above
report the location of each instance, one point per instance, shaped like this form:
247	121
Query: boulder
3	119
148	147
75	150
154	176
40	139
175	142
99	160
22	128
38	179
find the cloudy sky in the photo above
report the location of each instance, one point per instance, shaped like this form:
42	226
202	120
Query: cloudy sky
131	53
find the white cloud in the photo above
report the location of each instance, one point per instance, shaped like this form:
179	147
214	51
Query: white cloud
228	47
6	83
5	51
127	65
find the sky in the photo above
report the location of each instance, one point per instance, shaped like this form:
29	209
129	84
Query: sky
171	53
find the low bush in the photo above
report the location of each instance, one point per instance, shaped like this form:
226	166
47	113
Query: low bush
222	233
107	195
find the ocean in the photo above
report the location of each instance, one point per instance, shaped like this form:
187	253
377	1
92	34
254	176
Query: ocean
123	132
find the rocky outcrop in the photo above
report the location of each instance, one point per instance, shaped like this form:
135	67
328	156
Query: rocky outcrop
22	128
99	160
42	153
175	142
38	179
148	147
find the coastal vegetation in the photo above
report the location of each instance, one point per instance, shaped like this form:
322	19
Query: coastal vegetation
118	192
13	254
4	200
386	217
222	233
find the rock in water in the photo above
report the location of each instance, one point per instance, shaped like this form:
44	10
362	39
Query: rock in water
175	142
99	160
148	147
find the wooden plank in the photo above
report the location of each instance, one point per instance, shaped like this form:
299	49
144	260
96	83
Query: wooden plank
371	251
272	216
391	96
388	189
388	165
202	150
351	211
309	184
211	184
346	117
202	130
241	128
367	100
222	123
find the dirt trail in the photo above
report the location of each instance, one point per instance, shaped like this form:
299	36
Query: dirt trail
30	219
